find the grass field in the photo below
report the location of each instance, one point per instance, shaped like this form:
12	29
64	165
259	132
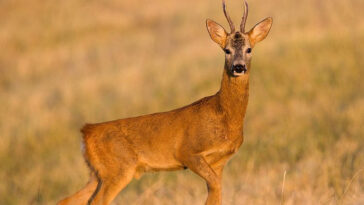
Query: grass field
64	63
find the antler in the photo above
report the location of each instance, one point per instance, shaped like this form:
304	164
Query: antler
232	27
243	21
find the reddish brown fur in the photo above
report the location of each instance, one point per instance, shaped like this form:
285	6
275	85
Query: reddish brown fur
201	136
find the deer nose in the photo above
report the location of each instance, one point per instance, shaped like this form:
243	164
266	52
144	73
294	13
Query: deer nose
239	68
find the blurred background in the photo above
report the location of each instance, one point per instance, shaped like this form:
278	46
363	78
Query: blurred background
64	63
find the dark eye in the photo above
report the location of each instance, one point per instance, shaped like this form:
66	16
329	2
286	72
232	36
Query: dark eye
249	50
227	51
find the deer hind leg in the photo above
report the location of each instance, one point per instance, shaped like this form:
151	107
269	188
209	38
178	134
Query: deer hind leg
114	161
110	186
82	196
199	165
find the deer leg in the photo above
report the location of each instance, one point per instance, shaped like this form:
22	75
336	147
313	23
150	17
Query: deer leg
109	187
82	196
199	165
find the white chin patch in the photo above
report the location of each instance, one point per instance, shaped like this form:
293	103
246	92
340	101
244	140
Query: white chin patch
239	74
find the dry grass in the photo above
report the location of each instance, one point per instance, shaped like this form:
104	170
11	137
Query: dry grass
64	63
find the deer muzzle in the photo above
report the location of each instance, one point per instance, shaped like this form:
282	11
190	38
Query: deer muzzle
239	69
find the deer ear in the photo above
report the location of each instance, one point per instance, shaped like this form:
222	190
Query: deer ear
217	32
260	31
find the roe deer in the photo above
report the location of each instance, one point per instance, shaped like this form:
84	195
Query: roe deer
201	136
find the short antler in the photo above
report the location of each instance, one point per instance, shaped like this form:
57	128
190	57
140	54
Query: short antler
243	21
232	27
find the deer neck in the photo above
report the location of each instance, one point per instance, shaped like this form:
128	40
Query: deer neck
233	98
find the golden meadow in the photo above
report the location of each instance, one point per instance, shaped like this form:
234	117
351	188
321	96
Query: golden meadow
64	63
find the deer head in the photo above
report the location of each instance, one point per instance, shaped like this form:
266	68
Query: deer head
238	45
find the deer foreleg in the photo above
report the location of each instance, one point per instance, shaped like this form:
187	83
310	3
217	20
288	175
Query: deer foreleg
199	165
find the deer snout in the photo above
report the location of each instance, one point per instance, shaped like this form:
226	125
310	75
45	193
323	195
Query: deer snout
239	69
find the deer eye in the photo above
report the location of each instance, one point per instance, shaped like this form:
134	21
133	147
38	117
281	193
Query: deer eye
227	51
249	50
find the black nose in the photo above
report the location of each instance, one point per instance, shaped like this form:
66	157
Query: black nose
239	68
